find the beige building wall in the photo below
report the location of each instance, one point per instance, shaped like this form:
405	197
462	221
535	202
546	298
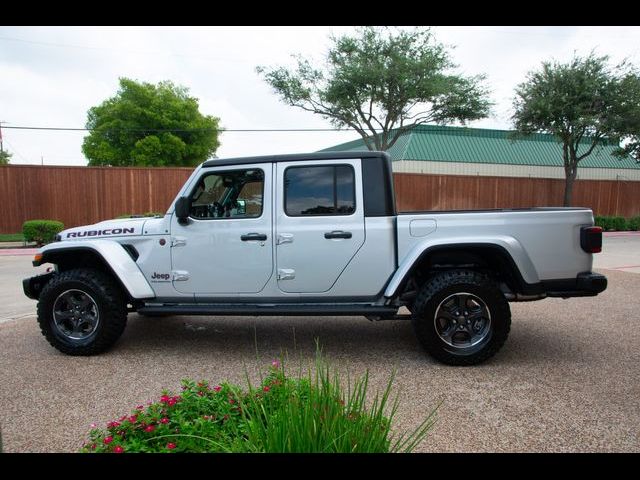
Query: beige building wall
501	170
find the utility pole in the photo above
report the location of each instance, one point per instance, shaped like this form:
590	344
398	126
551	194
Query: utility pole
1	147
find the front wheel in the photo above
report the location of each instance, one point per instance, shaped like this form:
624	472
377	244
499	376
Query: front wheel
461	317
82	312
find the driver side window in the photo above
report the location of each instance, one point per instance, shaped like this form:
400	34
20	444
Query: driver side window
229	194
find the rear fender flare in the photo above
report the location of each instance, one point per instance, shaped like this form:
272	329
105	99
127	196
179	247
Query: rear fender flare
508	246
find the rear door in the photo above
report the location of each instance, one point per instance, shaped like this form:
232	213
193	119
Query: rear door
319	224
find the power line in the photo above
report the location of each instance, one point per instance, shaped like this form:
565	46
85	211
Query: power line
74	129
249	130
111	49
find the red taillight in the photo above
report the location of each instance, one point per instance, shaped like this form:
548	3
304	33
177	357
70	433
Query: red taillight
591	239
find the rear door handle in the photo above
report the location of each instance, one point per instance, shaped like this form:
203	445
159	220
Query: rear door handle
337	234
253	237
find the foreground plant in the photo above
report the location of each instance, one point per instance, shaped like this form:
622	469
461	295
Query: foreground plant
311	413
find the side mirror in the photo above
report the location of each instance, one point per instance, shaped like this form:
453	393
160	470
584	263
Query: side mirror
182	210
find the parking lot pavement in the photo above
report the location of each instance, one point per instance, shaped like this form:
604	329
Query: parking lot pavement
13	303
566	379
620	251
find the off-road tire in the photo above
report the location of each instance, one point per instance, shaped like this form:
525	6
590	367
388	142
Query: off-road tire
443	285
109	301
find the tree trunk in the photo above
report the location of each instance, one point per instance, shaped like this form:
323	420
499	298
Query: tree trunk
570	171
568	189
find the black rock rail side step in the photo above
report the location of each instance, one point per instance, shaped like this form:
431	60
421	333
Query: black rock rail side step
267	309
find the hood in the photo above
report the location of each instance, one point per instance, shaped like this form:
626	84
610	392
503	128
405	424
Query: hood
123	227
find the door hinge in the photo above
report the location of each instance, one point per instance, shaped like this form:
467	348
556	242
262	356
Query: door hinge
286	274
180	275
284	238
178	241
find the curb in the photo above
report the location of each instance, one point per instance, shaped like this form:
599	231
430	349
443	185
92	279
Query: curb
6	252
621	234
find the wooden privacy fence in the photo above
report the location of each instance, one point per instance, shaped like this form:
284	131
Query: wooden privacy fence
85	195
453	192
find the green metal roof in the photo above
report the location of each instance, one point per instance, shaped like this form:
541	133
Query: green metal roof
476	145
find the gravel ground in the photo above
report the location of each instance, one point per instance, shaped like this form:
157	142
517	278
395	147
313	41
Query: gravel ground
566	381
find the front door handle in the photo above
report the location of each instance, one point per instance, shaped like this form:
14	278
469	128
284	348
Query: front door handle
337	234
253	237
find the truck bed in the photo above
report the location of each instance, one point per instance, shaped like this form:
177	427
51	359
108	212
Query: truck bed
544	242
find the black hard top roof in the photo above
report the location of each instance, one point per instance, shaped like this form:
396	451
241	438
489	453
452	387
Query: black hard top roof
216	162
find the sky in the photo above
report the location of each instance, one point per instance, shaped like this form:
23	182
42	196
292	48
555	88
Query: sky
51	76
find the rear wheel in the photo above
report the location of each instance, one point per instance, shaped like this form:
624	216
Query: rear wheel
82	312
461	317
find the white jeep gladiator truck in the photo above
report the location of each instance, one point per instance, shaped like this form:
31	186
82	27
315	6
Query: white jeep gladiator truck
309	235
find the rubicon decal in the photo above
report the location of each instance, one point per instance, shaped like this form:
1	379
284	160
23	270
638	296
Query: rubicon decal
99	233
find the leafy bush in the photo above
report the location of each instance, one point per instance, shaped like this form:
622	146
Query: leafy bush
603	222
634	223
311	413
619	224
41	231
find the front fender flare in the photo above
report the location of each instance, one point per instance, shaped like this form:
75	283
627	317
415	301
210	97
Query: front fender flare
114	256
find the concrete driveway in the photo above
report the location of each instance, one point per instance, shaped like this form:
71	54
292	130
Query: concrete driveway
566	379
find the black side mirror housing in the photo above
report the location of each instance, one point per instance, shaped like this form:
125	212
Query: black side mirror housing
182	210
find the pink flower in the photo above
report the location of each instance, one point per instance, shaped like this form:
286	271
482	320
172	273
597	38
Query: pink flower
118	449
217	388
108	440
164	420
164	398
201	394
232	401
171	402
266	389
133	418
149	428
113	424
139	407
171	445
275	364
93	425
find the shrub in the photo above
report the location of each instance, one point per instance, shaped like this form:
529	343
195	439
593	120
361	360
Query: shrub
41	231
601	221
311	413
634	223
619	224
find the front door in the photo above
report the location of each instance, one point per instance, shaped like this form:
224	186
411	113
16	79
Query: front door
319	224
227	245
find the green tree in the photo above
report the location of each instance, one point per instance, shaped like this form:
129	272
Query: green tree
150	125
5	156
583	103
382	83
